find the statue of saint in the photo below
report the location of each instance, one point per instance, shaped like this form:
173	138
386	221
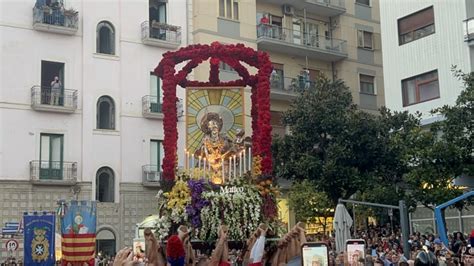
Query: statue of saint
215	147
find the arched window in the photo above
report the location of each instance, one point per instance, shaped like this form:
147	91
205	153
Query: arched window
105	242
105	113
105	38
105	185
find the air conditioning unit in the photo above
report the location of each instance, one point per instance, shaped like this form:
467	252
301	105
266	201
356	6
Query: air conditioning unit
288	10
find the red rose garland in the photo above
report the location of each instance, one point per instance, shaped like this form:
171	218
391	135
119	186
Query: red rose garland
231	55
214	72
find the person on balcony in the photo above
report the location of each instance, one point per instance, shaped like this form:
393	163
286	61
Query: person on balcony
55	91
153	16
265	25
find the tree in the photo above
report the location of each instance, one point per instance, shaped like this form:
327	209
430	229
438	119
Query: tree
309	204
457	129
445	151
332	143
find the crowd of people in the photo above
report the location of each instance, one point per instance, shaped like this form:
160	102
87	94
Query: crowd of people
383	247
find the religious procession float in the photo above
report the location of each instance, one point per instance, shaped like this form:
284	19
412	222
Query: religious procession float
227	175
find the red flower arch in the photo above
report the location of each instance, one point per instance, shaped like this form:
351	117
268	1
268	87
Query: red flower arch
231	55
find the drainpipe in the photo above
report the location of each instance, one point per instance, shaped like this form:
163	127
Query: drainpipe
333	68
188	31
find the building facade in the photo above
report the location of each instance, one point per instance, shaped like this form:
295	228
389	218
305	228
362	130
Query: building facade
422	40
305	39
80	109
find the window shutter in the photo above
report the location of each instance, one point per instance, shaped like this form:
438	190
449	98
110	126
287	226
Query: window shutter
415	21
360	38
377	41
368	40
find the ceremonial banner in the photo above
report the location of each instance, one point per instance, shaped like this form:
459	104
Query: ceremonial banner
78	228
39	238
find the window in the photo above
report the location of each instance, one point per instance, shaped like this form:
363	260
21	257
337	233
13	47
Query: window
278	128
52	83
156	94
363	2
367	84
225	67
105	185
277	77
421	88
229	9
51	156
156	155
105	113
297	31
105	38
364	39
157	11
416	26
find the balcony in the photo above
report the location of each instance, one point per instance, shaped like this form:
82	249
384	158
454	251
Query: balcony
57	173
45	99
325	8
297	43
151	175
469	31
151	107
55	19
161	35
288	88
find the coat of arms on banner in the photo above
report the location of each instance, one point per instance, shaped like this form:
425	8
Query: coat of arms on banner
40	245
39	238
78	228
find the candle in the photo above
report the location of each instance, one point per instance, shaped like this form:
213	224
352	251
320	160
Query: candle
192	165
240	163
186	162
223	177
204	168
245	161
250	158
228	168
235	166
199	162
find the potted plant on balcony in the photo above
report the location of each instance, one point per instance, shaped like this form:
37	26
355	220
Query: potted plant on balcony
164	26
46	10
71	12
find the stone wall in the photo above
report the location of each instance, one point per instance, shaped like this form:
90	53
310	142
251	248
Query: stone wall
136	202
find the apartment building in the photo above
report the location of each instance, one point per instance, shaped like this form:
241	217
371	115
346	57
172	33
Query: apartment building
305	39
80	109
337	38
422	40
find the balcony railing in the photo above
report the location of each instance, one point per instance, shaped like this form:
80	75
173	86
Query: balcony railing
323	8
333	3
151	107
290	85
45	98
301	43
55	19
53	172
151	175
469	30
161	34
